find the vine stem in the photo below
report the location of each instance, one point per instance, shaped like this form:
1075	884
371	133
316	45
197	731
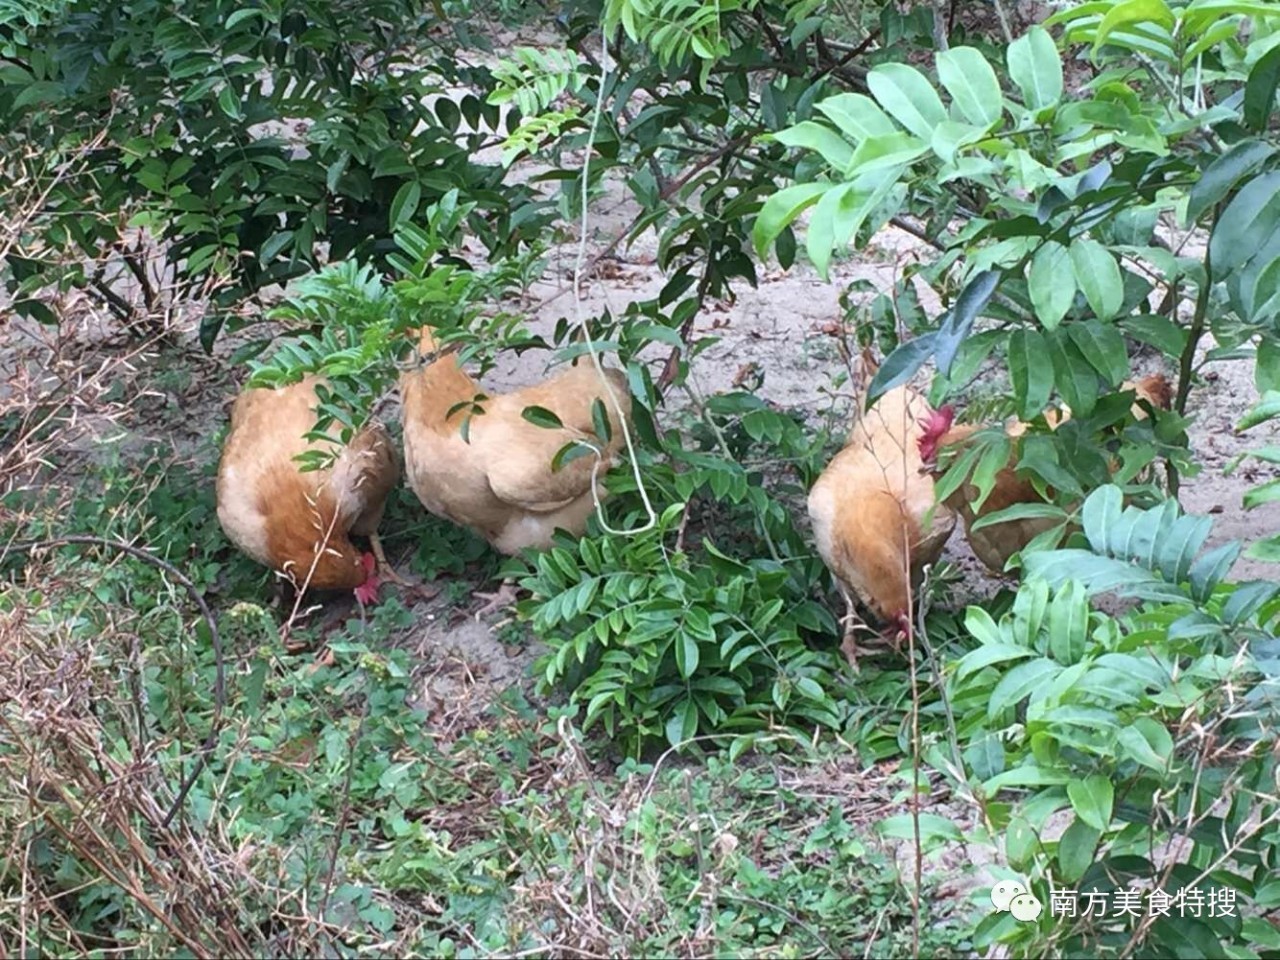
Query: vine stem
651	515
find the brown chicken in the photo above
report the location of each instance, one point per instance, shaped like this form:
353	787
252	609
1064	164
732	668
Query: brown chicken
497	477
300	524
873	511
995	545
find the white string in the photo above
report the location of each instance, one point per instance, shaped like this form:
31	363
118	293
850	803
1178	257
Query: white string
586	334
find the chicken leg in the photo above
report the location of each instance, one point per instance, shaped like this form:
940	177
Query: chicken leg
388	572
849	645
504	596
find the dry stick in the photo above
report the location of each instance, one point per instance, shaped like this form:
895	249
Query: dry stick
855	51
15	230
941	27
139	895
219	683
915	729
102	290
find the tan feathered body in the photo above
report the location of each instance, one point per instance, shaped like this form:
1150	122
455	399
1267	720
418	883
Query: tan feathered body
499	480
873	510
290	520
995	545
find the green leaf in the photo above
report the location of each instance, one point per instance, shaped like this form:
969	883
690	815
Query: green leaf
988	655
1020	511
810	689
1098	276
1268	492
1020	843
1103	346
1019	683
1051	282
1027	775
1258	283
1267	550
405	203
1266	372
1260	90
1224	173
1031	372
1207	572
1147	742
900	366
683	722
1179	547
949	136
253	686
1249	219
1130	12
541	417
822	140
1069	624
239	16
880	153
781	209
856	116
1092	800
1100	514
908	96
959	321
1098	574
41	91
1267	408
980	626
1076	848
1076	379
1036	67
972	84
1248	598
1160	332
902	826
686	654
1029	609
228	102
995	457
826	221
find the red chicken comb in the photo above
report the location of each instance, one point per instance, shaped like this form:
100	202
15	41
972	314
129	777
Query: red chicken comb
940	421
932	429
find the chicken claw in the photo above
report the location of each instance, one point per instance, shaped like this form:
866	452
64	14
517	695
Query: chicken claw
849	645
503	597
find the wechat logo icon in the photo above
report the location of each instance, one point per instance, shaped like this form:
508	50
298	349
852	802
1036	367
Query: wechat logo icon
1012	896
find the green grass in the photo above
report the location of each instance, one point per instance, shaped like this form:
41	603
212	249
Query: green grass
336	817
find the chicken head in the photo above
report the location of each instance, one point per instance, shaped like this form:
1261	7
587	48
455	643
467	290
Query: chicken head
367	592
